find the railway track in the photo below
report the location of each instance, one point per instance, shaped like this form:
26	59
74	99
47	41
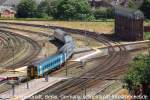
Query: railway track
19	43
110	67
28	31
105	69
9	42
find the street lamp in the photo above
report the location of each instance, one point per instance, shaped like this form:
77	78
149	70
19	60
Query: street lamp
12	81
13	52
46	76
85	91
27	82
66	69
66	66
82	62
83	16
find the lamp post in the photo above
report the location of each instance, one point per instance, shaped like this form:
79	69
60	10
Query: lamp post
83	16
12	81
27	82
13	53
66	69
85	91
66	65
82	62
13	89
46	76
13	58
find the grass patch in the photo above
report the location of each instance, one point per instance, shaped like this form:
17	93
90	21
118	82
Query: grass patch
28	19
91	26
147	22
147	35
97	26
101	26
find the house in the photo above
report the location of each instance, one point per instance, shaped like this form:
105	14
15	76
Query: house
7	12
99	3
14	3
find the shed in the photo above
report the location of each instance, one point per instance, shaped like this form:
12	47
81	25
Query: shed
129	24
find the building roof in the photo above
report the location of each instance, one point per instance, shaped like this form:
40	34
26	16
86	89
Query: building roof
128	12
14	3
2	1
3	8
99	3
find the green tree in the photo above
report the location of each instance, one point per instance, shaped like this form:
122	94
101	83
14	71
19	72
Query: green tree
100	13
73	10
146	8
138	75
42	9
27	8
52	8
104	12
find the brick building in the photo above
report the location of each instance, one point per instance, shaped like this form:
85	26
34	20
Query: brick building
129	24
7	12
99	3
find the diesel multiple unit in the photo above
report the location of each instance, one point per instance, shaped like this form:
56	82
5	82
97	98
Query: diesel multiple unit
54	62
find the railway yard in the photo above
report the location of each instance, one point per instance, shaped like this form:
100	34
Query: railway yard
96	67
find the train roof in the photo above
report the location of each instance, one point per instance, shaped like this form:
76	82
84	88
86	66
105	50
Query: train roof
60	31
45	60
129	13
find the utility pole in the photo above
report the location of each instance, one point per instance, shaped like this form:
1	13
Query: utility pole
13	89
85	91
46	76
13	59
13	53
27	82
66	69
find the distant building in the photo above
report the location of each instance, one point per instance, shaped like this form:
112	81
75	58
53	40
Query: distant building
14	3
7	12
129	24
99	3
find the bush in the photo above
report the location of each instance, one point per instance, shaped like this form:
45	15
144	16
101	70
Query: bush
103	12
27	9
42	9
138	74
145	8
73	10
62	10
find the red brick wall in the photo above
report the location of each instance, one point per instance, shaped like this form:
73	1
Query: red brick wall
99	4
7	14
128	29
146	28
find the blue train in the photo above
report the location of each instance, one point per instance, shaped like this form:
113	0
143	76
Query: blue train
53	62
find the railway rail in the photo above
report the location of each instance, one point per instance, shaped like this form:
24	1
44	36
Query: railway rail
19	43
9	42
23	30
110	67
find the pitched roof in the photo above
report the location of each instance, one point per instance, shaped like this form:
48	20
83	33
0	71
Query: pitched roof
2	1
128	12
14	3
3	8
